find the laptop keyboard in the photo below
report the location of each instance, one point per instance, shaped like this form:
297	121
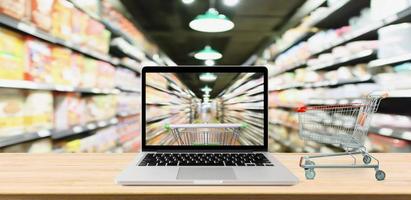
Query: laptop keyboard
205	159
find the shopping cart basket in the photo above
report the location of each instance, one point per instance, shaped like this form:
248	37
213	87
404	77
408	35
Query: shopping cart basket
343	125
206	134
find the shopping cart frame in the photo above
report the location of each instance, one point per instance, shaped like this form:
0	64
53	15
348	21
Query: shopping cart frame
370	105
184	139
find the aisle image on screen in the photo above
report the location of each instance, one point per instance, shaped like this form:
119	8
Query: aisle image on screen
204	109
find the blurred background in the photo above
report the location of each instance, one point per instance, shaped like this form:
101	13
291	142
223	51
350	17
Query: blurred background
70	69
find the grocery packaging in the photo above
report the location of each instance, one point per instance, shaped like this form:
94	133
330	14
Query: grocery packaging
77	67
80	22
98	38
38	61
101	107
15	8
11	112
38	111
88	73
69	110
41	13
394	40
61	19
11	55
61	65
105	75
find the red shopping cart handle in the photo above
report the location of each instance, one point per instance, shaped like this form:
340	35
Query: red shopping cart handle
302	109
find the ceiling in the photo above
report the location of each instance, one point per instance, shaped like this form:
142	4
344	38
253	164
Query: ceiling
166	23
193	82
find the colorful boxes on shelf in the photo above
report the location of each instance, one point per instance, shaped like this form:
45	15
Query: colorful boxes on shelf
11	55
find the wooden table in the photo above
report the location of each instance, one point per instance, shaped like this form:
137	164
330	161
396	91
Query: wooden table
91	176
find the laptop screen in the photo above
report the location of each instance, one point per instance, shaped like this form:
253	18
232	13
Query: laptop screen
204	109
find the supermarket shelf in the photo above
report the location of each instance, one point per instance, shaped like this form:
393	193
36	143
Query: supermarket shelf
132	90
286	106
365	79
336	16
32	30
287	125
405	93
24	137
304	36
330	101
403	134
362	56
339	14
116	31
369	30
127	114
389	61
290	69
29	85
78	129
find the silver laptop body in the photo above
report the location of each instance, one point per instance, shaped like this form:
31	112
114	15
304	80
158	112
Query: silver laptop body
201	135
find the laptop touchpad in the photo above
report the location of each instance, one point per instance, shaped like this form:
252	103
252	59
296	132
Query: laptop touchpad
206	173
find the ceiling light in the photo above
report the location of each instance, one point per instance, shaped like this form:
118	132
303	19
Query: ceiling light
208	53
211	21
206	90
208	77
209	62
187	1
230	2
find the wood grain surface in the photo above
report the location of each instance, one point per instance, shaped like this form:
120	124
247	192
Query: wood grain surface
91	176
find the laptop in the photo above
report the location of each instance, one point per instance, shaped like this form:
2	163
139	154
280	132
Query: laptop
205	126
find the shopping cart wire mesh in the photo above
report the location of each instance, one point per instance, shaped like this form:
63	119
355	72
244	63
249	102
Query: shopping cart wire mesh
341	125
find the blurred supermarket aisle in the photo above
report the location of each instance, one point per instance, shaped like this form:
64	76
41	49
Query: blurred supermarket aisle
204	98
70	70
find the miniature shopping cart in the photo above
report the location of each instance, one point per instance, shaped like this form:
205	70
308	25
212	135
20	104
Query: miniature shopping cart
343	125
206	134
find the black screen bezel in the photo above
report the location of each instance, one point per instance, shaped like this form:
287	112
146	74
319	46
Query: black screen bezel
199	69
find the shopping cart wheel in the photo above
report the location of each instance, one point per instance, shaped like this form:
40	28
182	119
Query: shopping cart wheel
309	162
380	175
366	159
309	174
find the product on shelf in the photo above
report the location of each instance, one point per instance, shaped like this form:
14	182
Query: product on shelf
128	130
61	65
38	62
69	110
388	120
80	22
61	19
37	146
122	24
101	107
309	78
41	13
381	9
343	52
105	75
11	55
102	141
38	111
127	79
394	40
11	112
390	81
89	71
15	8
128	103
98	38
387	144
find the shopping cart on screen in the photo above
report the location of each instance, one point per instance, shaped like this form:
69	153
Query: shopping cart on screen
206	134
343	125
